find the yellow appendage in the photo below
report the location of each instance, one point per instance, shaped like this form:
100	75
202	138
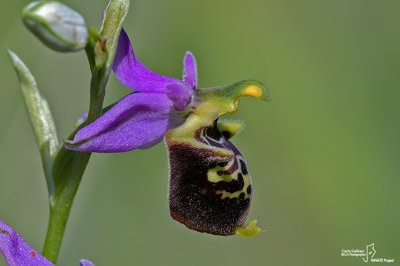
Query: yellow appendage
248	230
253	91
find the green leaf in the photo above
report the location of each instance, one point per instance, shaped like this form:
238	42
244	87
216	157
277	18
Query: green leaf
39	115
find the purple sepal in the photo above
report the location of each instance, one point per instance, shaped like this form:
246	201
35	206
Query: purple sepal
141	119
85	263
16	251
179	94
190	70
138	121
133	74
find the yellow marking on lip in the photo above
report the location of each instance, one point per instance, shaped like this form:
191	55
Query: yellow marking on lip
212	174
253	91
224	194
215	178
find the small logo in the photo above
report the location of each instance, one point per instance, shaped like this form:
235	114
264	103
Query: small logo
370	252
367	254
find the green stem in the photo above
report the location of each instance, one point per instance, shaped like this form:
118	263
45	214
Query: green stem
68	170
69	166
60	204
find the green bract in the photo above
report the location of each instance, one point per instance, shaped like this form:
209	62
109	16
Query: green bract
40	117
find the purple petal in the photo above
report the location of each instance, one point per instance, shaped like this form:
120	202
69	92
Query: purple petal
138	121
16	251
85	263
179	94
190	70
132	73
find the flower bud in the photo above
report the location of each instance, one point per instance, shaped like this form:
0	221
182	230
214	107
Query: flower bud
56	25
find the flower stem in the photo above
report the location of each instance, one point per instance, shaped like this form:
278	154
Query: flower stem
55	232
68	169
60	204
68	166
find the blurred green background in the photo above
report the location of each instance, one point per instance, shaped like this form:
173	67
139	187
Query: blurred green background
324	154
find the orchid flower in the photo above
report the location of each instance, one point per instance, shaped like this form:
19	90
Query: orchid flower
18	253
210	186
141	119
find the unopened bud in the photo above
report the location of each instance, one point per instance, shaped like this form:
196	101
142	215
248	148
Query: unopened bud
56	25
